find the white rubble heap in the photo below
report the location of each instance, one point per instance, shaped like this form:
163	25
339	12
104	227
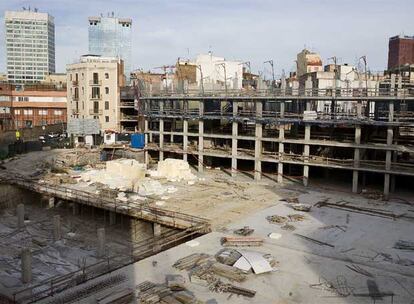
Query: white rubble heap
129	175
174	170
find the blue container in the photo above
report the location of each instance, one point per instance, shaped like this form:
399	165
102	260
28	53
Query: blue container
137	141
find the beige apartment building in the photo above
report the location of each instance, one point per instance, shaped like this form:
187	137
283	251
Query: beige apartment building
93	88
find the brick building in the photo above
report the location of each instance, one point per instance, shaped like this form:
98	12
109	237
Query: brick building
400	51
31	105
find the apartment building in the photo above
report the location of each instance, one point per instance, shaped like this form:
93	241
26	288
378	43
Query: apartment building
30	45
31	106
93	90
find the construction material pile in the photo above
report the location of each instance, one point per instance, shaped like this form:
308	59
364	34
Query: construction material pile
227	265
120	174
174	170
173	291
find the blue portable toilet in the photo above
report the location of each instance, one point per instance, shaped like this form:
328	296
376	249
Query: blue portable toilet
137	140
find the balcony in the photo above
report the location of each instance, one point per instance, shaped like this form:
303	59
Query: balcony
95	82
75	111
75	83
95	97
95	111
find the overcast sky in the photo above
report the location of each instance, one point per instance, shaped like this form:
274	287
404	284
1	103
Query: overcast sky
248	30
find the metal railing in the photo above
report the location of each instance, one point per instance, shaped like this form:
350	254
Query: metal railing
342	93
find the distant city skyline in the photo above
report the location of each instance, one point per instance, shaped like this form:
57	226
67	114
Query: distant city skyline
253	31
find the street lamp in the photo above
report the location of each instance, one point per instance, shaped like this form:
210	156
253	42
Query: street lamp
201	74
273	70
225	75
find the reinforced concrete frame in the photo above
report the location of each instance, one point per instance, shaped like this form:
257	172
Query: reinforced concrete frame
282	114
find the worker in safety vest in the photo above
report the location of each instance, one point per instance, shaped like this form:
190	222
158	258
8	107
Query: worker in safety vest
17	135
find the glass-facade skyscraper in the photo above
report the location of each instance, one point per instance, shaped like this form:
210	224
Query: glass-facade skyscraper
30	45
111	37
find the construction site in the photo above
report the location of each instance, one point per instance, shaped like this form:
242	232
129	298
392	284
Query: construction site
236	198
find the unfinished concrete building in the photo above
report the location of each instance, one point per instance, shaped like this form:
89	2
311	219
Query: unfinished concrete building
280	133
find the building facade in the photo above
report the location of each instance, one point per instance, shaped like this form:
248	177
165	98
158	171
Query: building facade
308	62
93	90
30	46
111	37
400	51
31	106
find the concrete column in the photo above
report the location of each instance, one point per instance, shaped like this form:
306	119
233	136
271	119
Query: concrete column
157	229
355	173
161	145
76	208
258	143
201	137
146	153
306	149
185	139
26	264
101	242
57	228
235	126
51	202
281	144
388	155
112	218
20	216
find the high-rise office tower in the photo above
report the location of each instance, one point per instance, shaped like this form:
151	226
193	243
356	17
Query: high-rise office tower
30	45
111	37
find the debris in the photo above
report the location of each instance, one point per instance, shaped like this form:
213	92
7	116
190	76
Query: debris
192	243
276	219
360	270
288	227
219	286
296	217
315	241
301	207
191	261
257	261
275	235
246	230
241	241
358	209
175	282
174	169
340	287
228	256
404	245
229	272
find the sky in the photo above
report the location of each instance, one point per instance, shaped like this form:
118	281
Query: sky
247	30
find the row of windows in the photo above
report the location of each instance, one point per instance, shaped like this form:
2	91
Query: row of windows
95	77
41	112
95	105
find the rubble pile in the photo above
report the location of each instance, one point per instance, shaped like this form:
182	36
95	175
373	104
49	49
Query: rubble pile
174	170
122	174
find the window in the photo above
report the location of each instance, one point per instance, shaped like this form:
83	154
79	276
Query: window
106	105
58	112
106	76
16	112
95	106
106	118
96	92
42	112
106	90
76	93
95	78
28	112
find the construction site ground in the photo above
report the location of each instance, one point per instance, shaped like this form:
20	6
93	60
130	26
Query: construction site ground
331	255
307	272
